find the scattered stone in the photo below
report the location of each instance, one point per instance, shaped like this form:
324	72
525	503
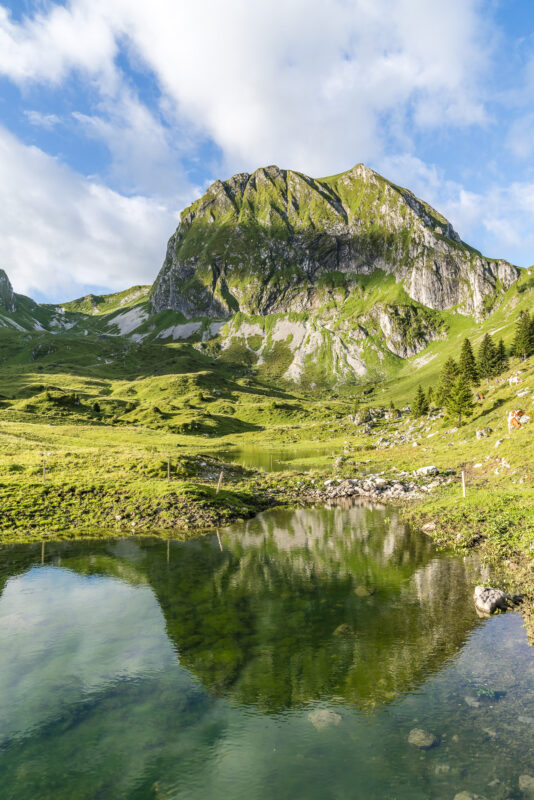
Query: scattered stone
428	527
442	769
323	717
468	796
526	720
478	466
343	630
422	739
526	785
498	442
489	600
483	432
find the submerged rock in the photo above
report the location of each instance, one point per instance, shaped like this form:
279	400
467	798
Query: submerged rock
526	785
364	591
422	739
468	796
323	717
487	600
343	630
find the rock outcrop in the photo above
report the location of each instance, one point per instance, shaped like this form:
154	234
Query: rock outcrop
7	296
278	241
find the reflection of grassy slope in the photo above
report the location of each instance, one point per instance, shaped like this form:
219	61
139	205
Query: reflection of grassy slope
256	620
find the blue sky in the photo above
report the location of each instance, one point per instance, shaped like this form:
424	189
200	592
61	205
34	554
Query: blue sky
114	114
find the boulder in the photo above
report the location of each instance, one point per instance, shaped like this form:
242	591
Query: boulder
483	432
427	471
489	600
422	739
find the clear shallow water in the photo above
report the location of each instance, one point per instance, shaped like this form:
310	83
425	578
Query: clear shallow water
279	459
136	669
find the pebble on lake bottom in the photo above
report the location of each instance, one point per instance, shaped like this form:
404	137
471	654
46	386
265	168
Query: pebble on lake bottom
526	785
323	717
422	739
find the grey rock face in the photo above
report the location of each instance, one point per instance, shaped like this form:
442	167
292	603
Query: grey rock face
263	243
7	296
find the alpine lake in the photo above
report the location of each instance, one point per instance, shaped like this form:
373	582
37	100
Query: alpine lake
285	658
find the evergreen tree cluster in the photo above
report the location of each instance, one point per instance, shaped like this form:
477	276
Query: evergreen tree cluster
523	344
457	378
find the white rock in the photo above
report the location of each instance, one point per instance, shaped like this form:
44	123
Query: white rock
431	470
489	600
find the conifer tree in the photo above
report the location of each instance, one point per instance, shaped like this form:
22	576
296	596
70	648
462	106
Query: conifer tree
487	358
523	345
420	403
449	373
430	395
468	365
501	358
460	400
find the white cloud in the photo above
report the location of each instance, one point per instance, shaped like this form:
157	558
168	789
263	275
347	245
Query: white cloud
62	233
303	83
37	118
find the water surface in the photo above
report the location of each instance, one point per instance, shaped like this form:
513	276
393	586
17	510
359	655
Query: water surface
288	657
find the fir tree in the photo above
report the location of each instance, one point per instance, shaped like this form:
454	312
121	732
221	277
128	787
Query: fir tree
430	395
460	400
449	373
468	365
501	361
523	345
420	403
487	358
392	405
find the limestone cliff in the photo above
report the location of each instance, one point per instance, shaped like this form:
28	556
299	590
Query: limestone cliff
278	241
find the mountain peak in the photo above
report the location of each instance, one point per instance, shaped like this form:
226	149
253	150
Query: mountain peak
269	242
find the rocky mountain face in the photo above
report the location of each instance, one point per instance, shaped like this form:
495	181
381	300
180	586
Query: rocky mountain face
278	241
7	296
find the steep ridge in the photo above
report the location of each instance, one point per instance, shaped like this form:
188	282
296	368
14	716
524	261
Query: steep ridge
278	241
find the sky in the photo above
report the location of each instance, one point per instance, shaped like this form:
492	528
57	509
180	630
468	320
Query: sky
116	114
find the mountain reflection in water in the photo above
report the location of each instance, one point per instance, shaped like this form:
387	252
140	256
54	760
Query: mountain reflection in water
141	668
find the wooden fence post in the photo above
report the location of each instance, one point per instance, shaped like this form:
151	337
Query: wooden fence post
219	484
